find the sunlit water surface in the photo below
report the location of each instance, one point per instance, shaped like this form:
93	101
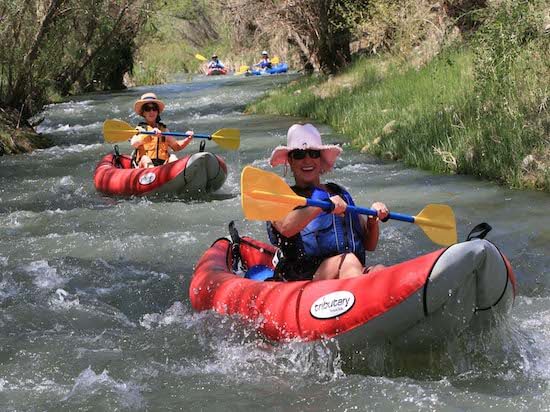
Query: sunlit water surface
94	301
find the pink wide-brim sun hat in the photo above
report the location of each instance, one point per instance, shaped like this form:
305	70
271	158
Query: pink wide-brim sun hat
148	98
305	136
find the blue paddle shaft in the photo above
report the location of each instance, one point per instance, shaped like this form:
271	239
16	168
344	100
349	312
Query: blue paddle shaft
199	136
359	210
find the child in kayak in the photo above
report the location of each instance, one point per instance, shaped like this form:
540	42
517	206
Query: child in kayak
153	150
317	244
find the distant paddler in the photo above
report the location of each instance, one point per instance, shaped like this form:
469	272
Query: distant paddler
264	63
215	63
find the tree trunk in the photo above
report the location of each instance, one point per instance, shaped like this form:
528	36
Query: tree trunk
20	91
70	75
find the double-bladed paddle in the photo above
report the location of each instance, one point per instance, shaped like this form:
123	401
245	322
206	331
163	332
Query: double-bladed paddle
116	131
266	196
243	69
200	57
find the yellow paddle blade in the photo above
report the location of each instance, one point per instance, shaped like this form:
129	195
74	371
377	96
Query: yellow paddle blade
275	60
242	69
266	196
115	131
200	57
438	223
229	139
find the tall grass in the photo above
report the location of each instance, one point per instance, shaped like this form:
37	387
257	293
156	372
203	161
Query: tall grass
156	62
388	109
471	110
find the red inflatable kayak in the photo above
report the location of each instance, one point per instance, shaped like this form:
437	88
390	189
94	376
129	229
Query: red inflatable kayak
196	173
216	72
417	302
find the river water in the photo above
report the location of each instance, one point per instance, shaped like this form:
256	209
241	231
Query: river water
94	308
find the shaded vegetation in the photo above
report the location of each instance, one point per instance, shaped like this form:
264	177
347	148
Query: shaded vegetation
17	135
173	33
57	47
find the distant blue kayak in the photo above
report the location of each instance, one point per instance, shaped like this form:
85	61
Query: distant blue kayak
276	69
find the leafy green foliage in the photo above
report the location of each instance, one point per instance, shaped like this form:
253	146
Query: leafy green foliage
64	46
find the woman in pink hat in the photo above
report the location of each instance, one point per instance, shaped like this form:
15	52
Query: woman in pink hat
153	150
318	244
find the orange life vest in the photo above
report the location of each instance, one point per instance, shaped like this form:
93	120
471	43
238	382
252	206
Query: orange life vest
157	148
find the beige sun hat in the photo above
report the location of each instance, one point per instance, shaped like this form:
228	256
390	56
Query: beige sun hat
305	136
148	98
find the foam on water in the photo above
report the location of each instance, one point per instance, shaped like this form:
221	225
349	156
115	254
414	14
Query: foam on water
71	105
8	288
69	129
174	314
44	276
63	300
62	151
89	384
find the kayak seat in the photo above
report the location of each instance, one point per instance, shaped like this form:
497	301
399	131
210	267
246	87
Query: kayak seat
259	272
256	272
134	159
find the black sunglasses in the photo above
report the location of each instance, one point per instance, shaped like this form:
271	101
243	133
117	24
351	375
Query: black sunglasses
300	154
149	107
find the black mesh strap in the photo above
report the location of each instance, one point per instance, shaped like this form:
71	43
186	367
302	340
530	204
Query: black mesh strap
116	157
479	232
235	245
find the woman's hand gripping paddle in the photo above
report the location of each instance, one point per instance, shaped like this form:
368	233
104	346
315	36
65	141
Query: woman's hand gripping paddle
266	196
116	131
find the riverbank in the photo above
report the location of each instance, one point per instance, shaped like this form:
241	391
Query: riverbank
432	118
17	136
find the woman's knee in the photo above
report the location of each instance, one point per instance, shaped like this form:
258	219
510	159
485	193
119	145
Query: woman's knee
328	269
145	161
351	267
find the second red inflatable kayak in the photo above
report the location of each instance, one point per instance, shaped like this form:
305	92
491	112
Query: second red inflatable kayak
201	172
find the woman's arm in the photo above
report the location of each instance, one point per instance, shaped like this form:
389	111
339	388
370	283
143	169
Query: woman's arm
370	226
371	231
298	219
177	145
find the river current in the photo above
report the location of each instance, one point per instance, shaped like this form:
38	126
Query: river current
94	307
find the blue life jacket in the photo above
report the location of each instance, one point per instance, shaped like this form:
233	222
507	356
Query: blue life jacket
265	64
326	235
215	64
